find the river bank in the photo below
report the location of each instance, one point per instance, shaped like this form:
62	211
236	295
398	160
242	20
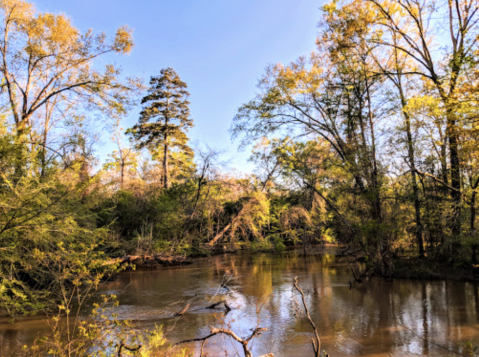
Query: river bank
404	267
432	269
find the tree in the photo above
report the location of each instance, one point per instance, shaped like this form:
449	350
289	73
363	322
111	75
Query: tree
46	64
334	97
409	27
165	119
349	29
123	161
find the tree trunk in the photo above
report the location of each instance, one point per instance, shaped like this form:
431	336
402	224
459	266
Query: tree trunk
376	184
44	153
166	179
455	178
473	218
21	147
122	173
412	164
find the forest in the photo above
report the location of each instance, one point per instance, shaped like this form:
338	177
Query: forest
368	144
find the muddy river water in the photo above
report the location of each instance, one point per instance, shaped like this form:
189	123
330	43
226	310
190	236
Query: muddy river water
375	318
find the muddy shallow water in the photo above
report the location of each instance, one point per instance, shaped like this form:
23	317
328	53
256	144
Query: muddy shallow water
376	318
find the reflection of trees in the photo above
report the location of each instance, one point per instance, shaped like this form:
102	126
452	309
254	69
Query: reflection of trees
383	317
403	315
380	318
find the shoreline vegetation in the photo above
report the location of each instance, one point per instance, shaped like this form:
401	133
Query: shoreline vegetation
370	142
423	268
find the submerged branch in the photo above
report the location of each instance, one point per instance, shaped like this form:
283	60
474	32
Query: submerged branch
216	331
225	304
182	312
316	340
131	349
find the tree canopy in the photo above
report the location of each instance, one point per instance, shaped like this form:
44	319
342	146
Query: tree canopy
164	120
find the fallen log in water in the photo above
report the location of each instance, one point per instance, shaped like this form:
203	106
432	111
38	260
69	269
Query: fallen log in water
149	260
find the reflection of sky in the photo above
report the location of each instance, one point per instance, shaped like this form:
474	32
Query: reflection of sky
378	318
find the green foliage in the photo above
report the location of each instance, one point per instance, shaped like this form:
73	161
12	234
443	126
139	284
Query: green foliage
279	245
389	159
101	334
328	235
49	242
164	121
470	349
262	245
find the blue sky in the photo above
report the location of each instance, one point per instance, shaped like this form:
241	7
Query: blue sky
219	47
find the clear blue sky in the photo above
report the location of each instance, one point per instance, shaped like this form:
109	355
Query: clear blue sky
219	47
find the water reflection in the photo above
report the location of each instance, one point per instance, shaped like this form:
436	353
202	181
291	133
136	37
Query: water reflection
400	318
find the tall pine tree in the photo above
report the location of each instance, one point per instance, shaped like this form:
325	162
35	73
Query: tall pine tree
164	120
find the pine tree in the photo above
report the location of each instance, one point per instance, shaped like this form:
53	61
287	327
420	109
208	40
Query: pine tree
165	118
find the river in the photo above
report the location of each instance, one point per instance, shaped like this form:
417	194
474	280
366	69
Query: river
375	318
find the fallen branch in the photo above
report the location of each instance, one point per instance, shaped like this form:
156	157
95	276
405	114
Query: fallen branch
224	230
225	304
316	341
148	260
182	311
131	349
349	251
224	286
216	331
357	280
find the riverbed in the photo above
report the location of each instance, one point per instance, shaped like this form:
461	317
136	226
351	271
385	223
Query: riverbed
373	318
